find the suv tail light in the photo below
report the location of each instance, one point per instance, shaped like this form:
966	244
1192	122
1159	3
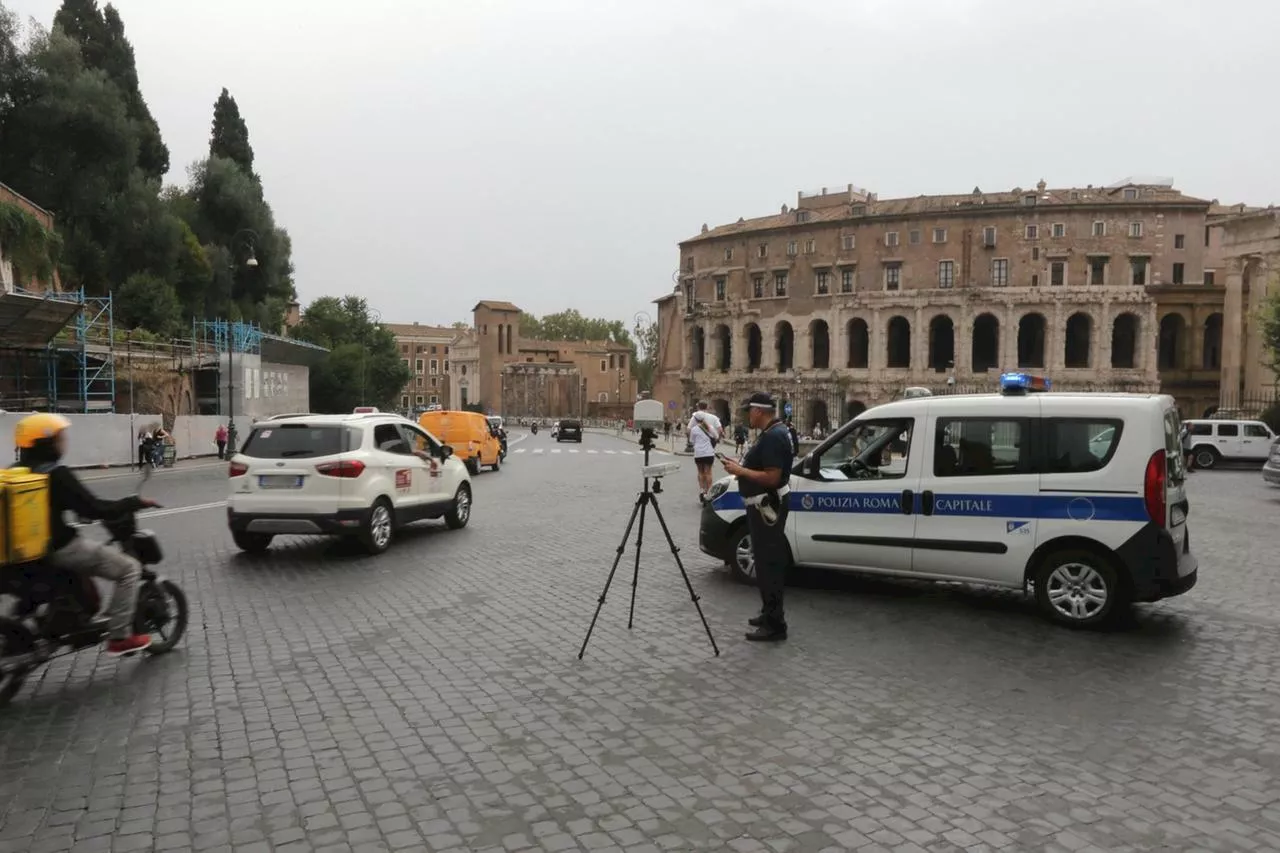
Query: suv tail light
348	469
1154	483
237	469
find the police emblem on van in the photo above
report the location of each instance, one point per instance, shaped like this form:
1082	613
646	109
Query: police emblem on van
806	501
1022	528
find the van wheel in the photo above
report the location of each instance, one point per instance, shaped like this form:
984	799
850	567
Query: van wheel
252	543
742	564
473	466
378	527
1206	457
497	463
1079	589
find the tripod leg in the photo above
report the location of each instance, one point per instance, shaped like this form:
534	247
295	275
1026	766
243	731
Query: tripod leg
616	560
635	577
675	552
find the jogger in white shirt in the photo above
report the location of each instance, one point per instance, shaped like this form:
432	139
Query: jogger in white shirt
704	433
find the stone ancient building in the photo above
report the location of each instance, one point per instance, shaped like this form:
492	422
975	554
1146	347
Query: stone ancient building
848	299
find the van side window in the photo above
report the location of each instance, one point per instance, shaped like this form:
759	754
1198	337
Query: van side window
871	450
980	447
1079	445
1256	431
1229	430
1201	429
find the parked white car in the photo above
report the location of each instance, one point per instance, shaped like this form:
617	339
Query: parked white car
1217	440
359	475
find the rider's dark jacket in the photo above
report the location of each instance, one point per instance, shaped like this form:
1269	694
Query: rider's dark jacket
67	493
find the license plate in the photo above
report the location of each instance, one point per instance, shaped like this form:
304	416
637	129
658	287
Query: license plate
279	481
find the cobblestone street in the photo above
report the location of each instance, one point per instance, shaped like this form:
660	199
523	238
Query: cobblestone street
431	698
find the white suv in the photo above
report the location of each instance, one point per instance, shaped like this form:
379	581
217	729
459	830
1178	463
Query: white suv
348	475
1214	441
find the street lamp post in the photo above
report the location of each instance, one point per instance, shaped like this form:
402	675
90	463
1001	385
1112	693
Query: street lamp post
250	262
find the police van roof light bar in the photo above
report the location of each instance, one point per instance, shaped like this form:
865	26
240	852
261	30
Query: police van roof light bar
1018	384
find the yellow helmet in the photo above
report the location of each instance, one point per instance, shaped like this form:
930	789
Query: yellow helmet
37	427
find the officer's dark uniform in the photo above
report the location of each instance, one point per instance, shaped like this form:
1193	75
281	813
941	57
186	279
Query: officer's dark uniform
768	541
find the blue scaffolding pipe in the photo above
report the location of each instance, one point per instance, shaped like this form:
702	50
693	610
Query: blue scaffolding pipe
227	336
93	387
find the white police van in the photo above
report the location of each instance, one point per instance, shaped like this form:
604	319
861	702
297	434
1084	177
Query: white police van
1079	495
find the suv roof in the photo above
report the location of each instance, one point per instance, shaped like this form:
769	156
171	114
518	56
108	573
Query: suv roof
367	417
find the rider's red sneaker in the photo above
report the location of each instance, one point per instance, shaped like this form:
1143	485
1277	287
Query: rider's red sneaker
128	646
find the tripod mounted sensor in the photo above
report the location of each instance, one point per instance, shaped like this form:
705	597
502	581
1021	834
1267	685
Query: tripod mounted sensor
648	417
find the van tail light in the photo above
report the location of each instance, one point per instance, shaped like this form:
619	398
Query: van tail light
237	469
1154	488
347	469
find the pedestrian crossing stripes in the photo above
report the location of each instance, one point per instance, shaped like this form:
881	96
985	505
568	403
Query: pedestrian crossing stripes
535	451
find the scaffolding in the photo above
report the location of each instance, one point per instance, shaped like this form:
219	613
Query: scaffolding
227	336
62	344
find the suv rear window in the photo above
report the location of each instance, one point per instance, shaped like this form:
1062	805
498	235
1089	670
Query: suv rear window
570	425
300	441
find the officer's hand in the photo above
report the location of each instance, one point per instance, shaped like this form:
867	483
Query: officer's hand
730	466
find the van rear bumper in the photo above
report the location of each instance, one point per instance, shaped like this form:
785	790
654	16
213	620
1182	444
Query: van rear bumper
1155	569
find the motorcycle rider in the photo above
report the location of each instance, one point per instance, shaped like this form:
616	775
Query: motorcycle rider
42	442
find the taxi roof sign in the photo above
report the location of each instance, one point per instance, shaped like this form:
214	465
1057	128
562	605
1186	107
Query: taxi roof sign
1022	383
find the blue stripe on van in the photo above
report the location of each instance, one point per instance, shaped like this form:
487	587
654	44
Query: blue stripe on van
1065	507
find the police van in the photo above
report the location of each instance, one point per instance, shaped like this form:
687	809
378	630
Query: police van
1078	495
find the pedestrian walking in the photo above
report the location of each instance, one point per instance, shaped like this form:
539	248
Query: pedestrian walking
763	481
1188	455
740	438
220	439
144	447
704	434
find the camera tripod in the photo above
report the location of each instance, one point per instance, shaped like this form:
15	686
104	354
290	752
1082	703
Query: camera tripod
646	498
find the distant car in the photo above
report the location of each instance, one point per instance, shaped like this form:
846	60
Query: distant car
569	431
345	475
1271	470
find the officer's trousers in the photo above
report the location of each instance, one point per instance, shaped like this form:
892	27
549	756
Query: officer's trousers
771	553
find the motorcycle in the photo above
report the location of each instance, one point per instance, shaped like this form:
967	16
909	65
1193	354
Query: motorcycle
56	611
534	429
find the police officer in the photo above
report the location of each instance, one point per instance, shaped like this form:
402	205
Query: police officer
763	478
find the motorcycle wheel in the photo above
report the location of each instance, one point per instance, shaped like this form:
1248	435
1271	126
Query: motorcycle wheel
15	639
162	613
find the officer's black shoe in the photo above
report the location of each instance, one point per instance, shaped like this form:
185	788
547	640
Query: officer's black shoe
766	634
756	621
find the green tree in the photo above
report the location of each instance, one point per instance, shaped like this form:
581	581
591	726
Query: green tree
118	62
363	366
645	363
148	302
230	137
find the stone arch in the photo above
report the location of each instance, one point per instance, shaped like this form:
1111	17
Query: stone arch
986	343
1173	330
1124	341
858	339
942	343
898	345
699	340
818	415
720	407
754	346
1211	352
784	345
724	348
1031	340
1078	340
819	345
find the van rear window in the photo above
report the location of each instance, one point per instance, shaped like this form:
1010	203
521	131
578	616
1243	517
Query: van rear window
300	441
1080	445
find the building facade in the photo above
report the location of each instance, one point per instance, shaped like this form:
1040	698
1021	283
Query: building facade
9	277
848	299
425	350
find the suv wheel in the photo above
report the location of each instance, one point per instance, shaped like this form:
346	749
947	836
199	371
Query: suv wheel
1079	589
378	527
1206	457
252	543
459	512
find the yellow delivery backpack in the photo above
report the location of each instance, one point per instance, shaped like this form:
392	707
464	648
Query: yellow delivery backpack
24	516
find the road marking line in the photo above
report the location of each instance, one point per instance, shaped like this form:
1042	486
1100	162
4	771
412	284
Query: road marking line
518	450
593	451
178	510
555	450
573	451
538	450
611	452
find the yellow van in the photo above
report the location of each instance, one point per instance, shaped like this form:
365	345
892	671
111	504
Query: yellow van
469	434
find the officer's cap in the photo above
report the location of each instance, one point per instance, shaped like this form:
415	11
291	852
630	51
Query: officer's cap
762	400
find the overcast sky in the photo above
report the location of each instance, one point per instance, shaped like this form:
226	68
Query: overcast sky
428	154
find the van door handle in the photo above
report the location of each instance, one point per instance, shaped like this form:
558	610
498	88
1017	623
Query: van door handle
926	502
908	502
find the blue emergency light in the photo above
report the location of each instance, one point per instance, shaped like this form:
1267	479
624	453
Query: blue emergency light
1017	384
